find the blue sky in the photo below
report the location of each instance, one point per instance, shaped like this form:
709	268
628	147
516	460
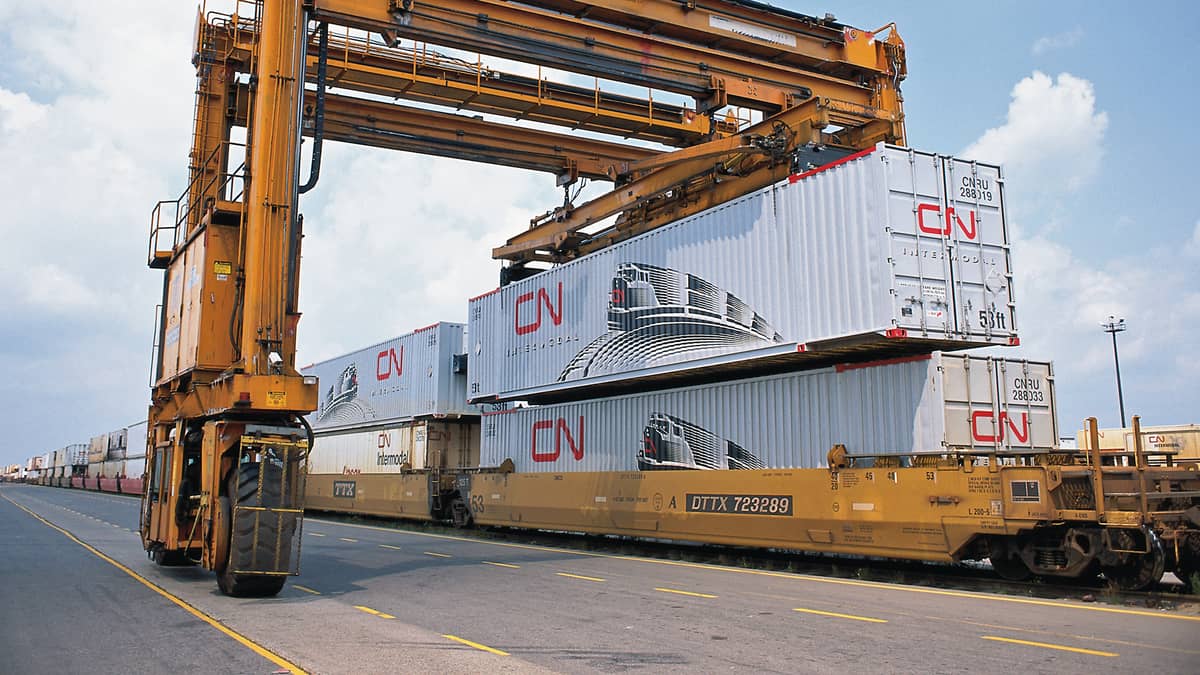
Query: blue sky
1089	106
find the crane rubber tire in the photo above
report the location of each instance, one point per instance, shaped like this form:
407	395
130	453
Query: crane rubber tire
243	485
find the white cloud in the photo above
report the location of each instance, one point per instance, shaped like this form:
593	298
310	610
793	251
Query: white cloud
1051	141
1063	40
18	111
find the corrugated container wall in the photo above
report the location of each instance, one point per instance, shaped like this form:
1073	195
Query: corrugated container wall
907	406
78	454
404	378
396	448
906	248
135	467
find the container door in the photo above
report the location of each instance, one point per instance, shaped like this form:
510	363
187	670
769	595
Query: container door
972	220
918	251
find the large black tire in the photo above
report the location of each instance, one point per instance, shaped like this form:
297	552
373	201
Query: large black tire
242	485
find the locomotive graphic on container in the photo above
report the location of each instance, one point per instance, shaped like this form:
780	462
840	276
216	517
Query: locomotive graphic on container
669	442
657	314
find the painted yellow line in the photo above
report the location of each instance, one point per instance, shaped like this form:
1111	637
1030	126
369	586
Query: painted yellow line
438	555
306	589
374	612
783	575
394	548
352	541
839	616
241	639
578	576
679	592
476	645
1045	645
316	534
500	564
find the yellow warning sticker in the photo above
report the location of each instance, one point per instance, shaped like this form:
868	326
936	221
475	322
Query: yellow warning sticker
222	267
276	399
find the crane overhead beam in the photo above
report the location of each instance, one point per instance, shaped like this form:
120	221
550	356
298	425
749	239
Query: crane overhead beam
740	26
421	74
713	77
388	125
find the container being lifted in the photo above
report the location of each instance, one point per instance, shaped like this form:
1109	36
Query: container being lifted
915	405
888	252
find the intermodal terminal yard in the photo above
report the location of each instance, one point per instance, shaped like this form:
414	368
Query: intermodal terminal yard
79	595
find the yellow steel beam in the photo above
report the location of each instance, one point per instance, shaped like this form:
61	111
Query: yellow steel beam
270	202
422	75
764	32
549	38
556	232
388	125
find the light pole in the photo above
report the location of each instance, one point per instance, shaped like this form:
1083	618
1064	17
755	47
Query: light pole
1114	326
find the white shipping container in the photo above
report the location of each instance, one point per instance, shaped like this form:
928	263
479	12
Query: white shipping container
901	250
98	449
135	440
396	448
77	454
135	467
1180	441
404	378
924	404
117	444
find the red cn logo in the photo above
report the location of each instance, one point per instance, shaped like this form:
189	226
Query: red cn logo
561	432
944	226
388	363
540	300
1019	433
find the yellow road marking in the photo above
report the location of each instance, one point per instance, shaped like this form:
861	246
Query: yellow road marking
500	564
394	548
840	616
578	576
784	575
679	592
476	645
374	612
242	639
352	541
1063	648
1070	636
306	589
437	555
316	534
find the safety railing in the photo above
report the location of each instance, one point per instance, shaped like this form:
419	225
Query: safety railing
211	182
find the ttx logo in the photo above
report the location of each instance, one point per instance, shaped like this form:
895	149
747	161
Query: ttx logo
540	299
562	434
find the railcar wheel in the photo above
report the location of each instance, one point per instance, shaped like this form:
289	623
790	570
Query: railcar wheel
1135	571
1009	566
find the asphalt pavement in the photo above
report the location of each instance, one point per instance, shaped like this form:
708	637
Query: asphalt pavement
372	599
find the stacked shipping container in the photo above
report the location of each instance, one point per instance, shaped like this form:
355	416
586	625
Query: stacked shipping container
934	404
891	251
396	406
888	254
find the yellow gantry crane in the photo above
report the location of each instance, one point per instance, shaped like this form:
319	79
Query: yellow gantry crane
765	91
